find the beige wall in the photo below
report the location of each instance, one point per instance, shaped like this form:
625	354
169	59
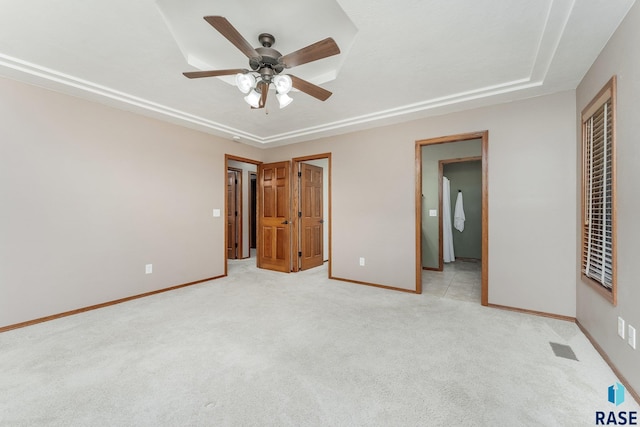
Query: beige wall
598	316
532	177
91	194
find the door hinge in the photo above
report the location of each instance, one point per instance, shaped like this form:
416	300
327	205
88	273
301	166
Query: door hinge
236	182
236	213
300	254
299	174
236	246
299	214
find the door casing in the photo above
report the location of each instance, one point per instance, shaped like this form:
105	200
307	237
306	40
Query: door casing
227	158
441	164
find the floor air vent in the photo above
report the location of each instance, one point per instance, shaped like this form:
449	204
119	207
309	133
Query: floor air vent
561	350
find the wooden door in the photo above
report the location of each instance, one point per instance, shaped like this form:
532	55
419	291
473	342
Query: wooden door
253	210
232	214
274	208
311	217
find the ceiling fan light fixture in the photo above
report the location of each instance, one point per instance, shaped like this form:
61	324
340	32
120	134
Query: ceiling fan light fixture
283	84
245	82
253	99
283	99
266	65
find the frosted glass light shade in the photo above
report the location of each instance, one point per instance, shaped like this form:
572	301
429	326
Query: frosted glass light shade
283	84
253	99
284	99
245	82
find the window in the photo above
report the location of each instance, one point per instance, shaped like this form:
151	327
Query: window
598	193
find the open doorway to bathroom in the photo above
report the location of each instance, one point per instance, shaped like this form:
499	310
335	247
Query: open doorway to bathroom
441	228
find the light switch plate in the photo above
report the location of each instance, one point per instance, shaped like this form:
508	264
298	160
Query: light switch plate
216	213
148	269
433	212
621	327
632	336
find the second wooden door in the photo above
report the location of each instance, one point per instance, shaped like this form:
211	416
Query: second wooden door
311	216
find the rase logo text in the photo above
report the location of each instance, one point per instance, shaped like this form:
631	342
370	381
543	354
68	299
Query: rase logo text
616	418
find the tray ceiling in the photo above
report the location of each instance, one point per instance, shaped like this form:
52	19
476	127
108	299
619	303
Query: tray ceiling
400	60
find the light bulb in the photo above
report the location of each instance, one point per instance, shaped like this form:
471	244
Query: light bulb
253	99
284	99
245	82
283	84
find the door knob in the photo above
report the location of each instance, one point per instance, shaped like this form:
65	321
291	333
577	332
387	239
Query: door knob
285	222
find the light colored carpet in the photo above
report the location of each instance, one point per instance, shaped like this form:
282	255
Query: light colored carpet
270	349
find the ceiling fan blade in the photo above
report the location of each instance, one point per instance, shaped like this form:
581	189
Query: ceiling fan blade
310	88
313	52
263	88
264	91
225	28
213	73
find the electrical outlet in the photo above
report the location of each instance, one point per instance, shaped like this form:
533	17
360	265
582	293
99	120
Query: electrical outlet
621	327
148	269
361	261
632	337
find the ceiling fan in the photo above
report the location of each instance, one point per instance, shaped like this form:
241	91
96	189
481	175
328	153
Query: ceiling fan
267	64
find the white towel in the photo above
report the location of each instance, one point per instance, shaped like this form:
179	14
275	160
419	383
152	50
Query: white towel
458	214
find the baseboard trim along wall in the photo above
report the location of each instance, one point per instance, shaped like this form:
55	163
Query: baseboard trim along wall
102	305
535	313
411	291
615	370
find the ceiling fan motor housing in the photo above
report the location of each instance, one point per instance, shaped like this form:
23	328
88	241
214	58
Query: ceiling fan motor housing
266	39
268	65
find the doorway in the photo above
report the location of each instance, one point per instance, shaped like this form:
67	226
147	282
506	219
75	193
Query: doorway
429	201
465	179
234	213
294	223
287	209
239	228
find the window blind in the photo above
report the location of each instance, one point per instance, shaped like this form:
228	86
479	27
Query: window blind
598	246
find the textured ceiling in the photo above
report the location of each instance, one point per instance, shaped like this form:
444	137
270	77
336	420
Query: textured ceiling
401	59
